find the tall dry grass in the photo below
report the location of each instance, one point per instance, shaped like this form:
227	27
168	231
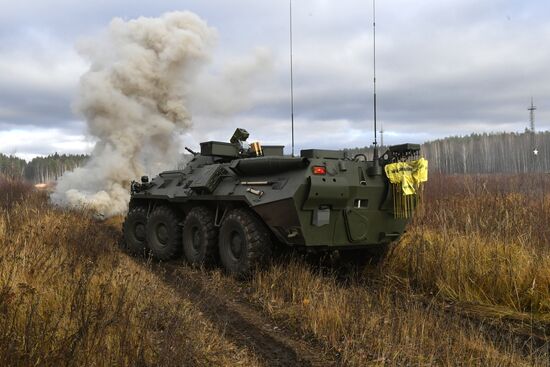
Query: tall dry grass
482	240
383	323
69	297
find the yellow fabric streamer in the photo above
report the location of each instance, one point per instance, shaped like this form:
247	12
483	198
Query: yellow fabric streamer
408	174
420	171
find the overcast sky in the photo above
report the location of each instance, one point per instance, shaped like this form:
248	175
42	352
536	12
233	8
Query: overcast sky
445	67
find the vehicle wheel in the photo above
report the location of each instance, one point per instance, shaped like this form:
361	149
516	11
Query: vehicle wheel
134	231
164	233
244	242
200	236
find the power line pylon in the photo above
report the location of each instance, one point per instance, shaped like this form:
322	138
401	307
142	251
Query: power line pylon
532	110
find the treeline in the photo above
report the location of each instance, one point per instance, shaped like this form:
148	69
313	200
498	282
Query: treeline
490	153
40	169
485	153
12	166
476	153
50	168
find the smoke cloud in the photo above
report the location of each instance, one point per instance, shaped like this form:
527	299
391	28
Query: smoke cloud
134	99
234	84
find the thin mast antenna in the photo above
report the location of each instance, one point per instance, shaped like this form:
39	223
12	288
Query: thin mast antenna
375	143
291	82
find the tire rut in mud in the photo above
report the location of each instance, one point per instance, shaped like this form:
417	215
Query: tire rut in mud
241	323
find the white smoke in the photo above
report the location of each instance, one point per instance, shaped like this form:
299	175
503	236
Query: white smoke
134	99
234	84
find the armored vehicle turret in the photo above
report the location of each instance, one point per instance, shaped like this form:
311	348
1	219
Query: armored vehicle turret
235	201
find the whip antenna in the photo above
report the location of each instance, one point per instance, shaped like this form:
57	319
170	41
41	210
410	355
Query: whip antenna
375	143
291	83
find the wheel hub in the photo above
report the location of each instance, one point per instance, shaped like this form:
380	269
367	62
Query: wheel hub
196	238
139	231
162	233
236	244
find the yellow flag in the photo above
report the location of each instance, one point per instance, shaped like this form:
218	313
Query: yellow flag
408	174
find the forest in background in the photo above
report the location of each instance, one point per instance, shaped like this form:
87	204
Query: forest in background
476	153
485	153
490	153
40	169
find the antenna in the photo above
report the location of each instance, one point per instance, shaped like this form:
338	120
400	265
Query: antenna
375	143
291	83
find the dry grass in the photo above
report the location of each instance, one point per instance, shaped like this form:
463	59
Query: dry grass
382	323
482	240
68	296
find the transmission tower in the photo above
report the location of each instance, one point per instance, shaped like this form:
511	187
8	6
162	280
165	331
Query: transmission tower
381	135
532	110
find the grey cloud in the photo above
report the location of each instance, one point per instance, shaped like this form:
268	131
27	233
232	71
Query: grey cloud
29	108
445	68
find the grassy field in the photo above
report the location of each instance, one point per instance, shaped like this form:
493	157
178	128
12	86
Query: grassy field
69	297
484	241
469	284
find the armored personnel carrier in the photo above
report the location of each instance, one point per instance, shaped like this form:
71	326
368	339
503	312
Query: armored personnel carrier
235	201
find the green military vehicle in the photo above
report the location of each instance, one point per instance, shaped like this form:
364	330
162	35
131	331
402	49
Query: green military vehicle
235	202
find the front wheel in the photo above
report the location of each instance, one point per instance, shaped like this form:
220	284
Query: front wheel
244	242
164	233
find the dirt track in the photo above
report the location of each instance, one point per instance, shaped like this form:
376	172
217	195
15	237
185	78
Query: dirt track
242	323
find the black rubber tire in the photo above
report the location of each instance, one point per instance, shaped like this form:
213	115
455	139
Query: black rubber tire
200	237
244	243
135	232
164	233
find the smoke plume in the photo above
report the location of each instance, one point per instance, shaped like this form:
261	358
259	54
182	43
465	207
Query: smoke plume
234	84
134	99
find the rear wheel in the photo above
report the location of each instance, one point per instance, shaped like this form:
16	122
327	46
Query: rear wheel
244	242
134	230
200	236
164	233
